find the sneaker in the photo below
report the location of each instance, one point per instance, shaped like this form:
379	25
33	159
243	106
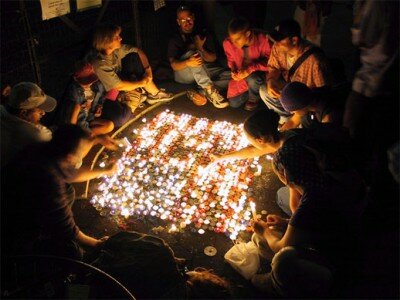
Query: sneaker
216	98
133	99
143	94
250	105
161	96
197	98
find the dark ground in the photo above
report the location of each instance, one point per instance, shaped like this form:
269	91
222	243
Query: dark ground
379	274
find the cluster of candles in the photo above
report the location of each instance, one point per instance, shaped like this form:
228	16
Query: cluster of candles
166	171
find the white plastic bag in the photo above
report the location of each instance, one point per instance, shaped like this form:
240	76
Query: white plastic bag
244	258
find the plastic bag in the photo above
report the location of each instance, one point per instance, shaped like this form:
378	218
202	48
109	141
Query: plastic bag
244	258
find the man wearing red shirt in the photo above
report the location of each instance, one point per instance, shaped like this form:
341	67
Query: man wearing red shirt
247	52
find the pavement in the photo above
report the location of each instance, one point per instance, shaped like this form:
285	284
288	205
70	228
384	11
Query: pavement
188	244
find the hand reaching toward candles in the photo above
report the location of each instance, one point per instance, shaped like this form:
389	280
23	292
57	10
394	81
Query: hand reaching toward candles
277	221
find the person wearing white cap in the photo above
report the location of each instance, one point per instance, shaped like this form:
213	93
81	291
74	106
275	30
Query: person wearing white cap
20	119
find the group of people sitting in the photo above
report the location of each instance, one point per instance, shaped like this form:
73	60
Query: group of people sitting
324	196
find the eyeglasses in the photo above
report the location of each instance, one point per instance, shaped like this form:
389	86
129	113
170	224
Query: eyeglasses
187	20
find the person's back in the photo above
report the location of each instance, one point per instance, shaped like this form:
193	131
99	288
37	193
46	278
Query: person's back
33	189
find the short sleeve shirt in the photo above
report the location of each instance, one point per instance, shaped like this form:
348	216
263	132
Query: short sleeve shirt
313	72
108	67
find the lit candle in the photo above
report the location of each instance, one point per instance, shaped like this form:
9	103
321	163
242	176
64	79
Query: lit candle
253	210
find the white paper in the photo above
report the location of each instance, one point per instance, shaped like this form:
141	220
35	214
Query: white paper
54	8
158	4
87	4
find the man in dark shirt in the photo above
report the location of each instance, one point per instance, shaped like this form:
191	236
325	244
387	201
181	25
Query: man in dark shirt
36	213
193	58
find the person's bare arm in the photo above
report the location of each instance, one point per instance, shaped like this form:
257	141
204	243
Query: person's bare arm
193	61
131	85
74	115
293	122
88	241
294	199
85	174
248	152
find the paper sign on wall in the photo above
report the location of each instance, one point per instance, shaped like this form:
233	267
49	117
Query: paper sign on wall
54	8
87	4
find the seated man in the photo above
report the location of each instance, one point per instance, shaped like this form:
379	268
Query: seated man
20	119
308	108
84	101
247	52
292	59
36	211
123	68
192	57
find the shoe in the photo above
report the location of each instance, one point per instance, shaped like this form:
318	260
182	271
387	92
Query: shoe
133	99
143	94
216	98
197	98
251	105
161	96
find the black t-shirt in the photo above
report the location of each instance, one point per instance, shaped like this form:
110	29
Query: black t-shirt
180	43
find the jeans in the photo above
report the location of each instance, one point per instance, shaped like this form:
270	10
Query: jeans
205	75
273	103
254	81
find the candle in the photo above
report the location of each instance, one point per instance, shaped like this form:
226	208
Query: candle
253	210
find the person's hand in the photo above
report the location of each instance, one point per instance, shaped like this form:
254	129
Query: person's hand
259	226
276	221
111	170
108	142
99	111
199	42
101	241
194	61
274	88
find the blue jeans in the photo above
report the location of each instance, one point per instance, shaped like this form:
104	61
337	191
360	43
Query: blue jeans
273	103
205	75
254	81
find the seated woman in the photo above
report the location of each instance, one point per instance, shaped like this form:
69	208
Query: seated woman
84	101
325	222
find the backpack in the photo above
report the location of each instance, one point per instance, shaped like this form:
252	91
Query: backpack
144	264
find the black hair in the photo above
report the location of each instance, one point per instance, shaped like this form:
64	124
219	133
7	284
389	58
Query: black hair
239	24
263	124
183	8
65	141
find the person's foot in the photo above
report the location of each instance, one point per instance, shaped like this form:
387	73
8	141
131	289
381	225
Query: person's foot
161	96
133	99
251	105
197	98
216	98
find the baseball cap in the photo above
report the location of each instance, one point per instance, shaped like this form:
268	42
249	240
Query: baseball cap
286	28
28	95
295	96
85	74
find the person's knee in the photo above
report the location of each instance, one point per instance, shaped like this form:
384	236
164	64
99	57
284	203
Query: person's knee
108	126
234	102
254	81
